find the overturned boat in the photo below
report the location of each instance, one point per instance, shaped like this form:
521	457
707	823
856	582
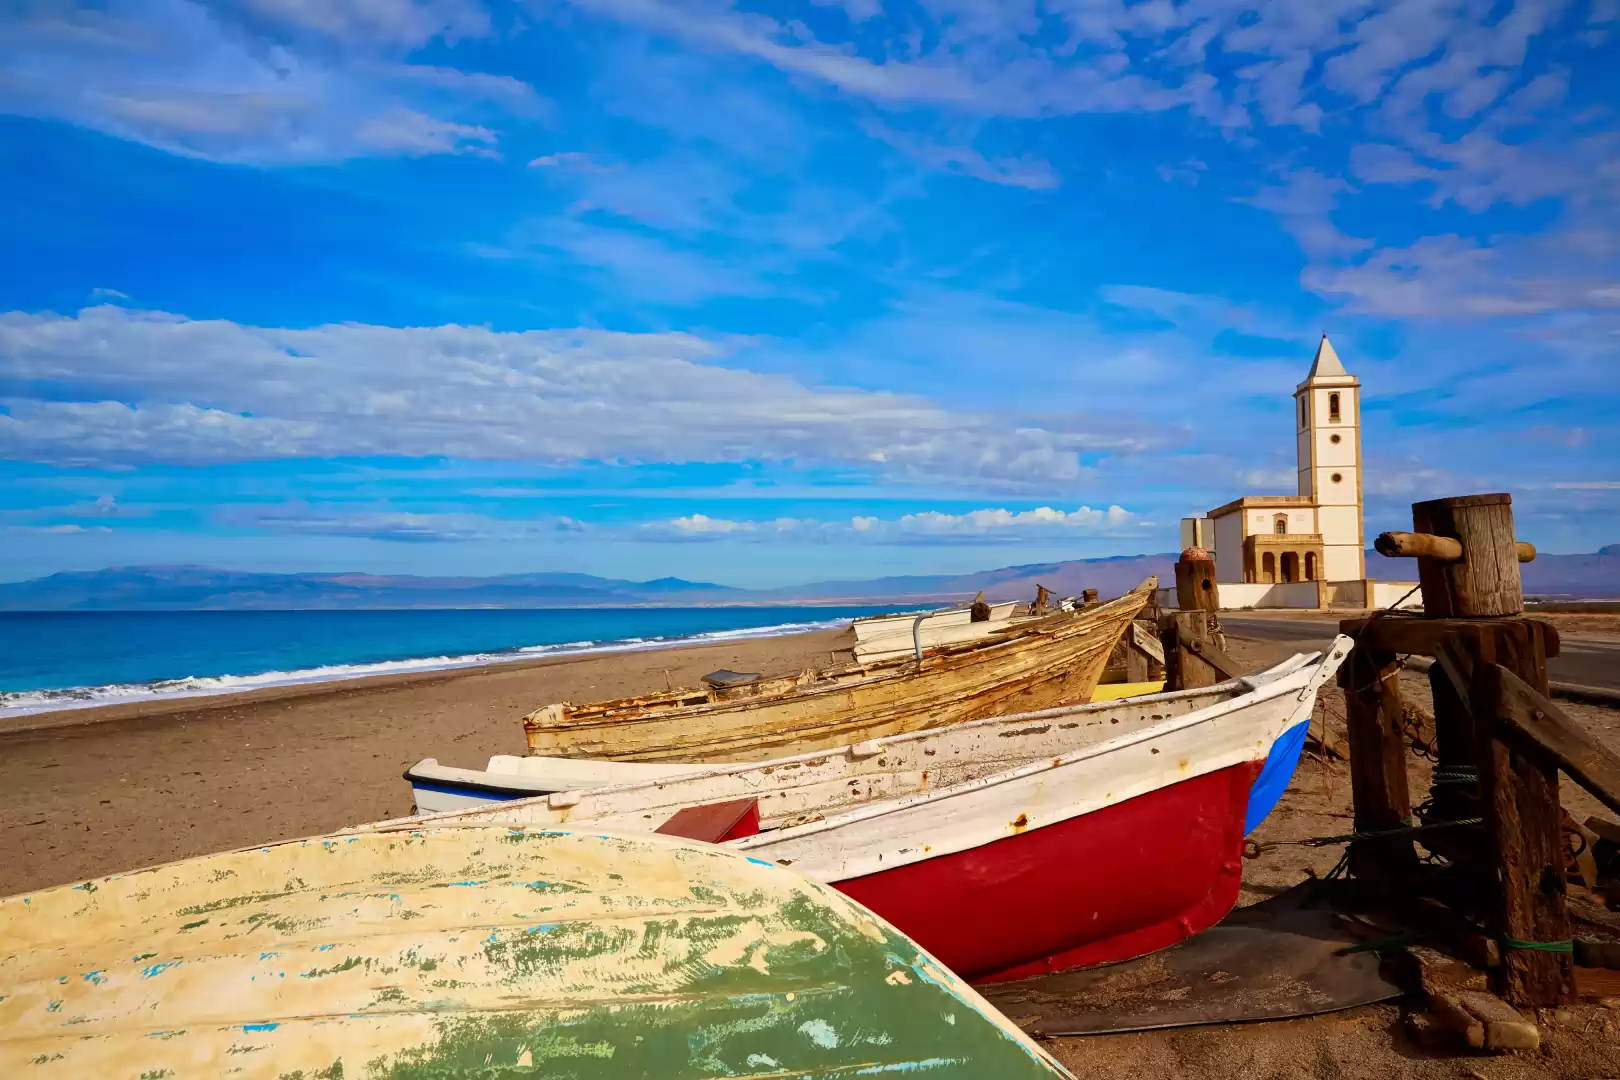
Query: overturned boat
1032	664
480	953
1007	847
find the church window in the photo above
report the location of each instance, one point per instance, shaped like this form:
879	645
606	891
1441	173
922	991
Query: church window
1333	408
1301	412
1281	525
1333	438
1337	477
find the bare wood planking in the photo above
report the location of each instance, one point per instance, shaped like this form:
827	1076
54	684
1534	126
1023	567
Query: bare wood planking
1056	660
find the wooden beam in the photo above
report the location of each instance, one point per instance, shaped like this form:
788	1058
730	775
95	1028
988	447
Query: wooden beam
1519	797
1396	545
1184	668
1425	637
1211	654
1542	725
1373	716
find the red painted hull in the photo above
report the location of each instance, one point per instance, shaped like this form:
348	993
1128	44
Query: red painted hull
1103	887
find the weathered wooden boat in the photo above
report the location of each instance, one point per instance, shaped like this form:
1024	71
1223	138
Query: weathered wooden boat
480	953
1053	660
1047	661
508	777
888	637
1011	846
872	627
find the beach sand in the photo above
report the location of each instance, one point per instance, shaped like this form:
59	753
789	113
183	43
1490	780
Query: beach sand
104	790
90	792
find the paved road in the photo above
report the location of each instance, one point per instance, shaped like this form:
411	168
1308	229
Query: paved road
1588	661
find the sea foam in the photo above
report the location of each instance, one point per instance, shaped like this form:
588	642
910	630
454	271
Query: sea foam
28	702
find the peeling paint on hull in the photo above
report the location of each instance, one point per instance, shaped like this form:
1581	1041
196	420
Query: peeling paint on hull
480	952
1079	836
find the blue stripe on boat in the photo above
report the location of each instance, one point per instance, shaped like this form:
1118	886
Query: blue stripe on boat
472	792
1275	774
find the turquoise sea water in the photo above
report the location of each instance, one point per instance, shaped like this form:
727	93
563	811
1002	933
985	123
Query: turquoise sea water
54	660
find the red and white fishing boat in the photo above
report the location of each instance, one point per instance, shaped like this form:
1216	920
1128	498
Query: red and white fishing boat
1011	846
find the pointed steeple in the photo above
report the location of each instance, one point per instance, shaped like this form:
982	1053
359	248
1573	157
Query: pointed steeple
1326	362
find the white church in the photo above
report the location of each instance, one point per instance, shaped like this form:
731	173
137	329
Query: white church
1304	550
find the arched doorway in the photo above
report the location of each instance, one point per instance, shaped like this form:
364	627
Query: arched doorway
1268	568
1310	566
1290	566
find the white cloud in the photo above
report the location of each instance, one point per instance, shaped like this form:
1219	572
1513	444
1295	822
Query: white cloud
406	22
990	525
219	83
55	530
158	387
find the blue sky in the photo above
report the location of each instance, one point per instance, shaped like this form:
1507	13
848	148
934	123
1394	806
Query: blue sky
764	293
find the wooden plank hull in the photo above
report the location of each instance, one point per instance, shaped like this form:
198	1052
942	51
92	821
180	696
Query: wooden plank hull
1046	662
481	952
1072	836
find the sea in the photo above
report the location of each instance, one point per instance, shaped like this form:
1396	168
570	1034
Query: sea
65	660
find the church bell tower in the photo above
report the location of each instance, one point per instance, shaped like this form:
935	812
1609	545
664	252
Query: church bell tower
1327	420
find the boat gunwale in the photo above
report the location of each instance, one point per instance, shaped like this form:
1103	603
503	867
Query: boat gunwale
1175	725
1295	675
626	710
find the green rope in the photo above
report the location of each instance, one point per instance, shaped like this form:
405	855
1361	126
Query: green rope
1377	945
1565	946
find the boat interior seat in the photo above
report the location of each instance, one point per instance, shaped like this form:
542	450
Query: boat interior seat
725	678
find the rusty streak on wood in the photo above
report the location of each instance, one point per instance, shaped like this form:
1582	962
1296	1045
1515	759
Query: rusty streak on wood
1544	726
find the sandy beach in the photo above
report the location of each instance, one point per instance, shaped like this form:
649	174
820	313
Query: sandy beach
89	792
92	792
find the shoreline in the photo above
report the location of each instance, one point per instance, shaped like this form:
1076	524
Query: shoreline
176	692
96	791
76	715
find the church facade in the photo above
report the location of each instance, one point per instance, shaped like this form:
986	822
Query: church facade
1317	534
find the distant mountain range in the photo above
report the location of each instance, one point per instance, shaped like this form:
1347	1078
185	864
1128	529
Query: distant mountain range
173	588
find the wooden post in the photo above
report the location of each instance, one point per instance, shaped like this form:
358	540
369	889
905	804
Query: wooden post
980	611
1184	669
1485	580
1373	715
1042	594
1089	597
1468	565
1195	581
1519	793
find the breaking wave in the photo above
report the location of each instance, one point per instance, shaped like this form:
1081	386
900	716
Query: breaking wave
27	702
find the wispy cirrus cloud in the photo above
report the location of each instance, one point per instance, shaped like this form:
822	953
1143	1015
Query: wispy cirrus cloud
274	82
